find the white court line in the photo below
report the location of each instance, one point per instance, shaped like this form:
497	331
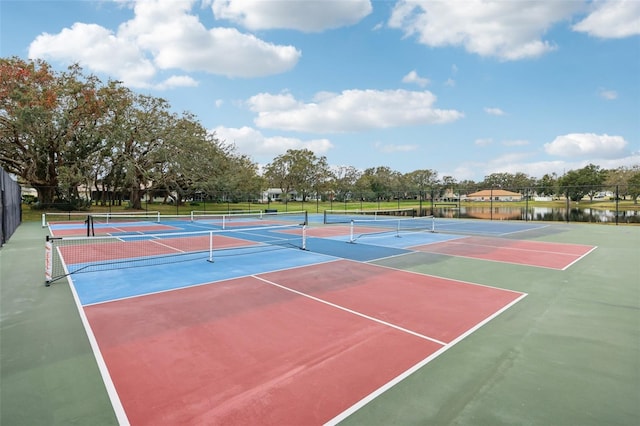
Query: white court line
379	321
584	255
118	408
364	401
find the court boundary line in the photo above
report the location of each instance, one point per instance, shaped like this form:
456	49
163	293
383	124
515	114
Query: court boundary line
332	259
395	381
431	275
175	249
448	228
460	241
480	259
119	408
580	258
351	311
110	387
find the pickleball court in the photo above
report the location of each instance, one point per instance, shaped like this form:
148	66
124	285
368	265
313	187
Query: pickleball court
270	329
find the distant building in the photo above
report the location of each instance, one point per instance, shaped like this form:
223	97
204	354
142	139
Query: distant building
275	194
494	195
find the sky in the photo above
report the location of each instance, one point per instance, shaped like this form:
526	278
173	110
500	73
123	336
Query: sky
466	88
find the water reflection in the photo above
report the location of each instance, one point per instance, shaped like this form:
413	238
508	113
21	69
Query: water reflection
537	213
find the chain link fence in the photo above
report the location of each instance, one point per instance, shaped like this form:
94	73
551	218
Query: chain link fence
612	204
10	206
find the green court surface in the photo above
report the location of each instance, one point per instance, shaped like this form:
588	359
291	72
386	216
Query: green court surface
567	354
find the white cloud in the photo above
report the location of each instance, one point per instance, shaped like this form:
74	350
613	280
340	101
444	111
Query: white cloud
351	110
494	111
538	169
164	35
306	16
609	95
509	30
249	140
612	19
587	144
526	162
97	48
413	77
520	165
483	142
391	148
177	81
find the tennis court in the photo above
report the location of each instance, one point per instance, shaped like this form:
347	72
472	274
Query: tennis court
280	320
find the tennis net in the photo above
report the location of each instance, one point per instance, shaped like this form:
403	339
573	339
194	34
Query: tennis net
251	219
346	216
386	227
98	224
71	255
222	212
57	217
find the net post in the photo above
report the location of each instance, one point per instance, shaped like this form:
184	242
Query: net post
210	260
304	237
48	261
324	220
224	221
433	224
91	231
306	217
351	226
398	229
44	220
158	217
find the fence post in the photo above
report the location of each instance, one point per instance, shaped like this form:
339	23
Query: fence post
568	204
491	203
617	204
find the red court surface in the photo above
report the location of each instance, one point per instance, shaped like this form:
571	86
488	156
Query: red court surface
295	347
531	253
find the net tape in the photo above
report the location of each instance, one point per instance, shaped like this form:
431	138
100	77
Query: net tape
385	227
346	216
101	222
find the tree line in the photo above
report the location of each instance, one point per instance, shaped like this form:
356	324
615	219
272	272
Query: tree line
67	132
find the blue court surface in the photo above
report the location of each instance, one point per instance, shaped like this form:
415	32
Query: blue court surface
197	268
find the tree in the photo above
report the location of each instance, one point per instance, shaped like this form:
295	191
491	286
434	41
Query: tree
515	182
548	184
380	181
423	181
468	186
344	181
50	126
449	186
581	182
633	186
618	179
203	163
297	169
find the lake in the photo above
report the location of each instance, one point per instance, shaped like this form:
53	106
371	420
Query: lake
559	214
